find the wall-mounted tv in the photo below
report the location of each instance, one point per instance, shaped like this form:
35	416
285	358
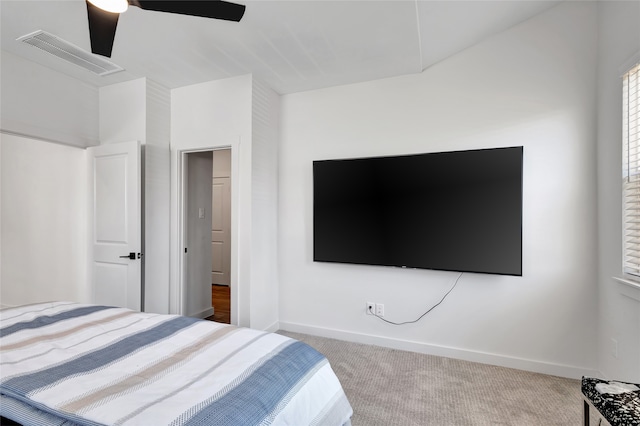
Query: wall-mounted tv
454	211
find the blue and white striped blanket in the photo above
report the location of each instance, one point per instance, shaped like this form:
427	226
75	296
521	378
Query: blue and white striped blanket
102	365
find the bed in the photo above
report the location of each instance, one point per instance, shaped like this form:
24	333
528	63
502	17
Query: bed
64	363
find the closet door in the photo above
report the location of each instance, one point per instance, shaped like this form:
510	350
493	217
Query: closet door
221	230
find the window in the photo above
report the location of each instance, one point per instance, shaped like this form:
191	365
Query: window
631	169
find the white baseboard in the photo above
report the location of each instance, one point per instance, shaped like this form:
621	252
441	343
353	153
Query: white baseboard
273	327
202	314
560	370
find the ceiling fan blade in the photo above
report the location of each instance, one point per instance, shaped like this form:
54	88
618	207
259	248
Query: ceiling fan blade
216	9
102	29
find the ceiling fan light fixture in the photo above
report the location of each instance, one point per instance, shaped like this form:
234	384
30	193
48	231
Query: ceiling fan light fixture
113	6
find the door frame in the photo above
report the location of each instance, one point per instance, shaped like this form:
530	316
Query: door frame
177	295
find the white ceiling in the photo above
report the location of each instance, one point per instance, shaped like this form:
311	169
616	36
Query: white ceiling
291	45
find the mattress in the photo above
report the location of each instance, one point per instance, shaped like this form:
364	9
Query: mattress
69	363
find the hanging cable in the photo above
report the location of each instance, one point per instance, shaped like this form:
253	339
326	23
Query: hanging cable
421	316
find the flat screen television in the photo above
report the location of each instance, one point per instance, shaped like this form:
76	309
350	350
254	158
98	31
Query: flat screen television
453	211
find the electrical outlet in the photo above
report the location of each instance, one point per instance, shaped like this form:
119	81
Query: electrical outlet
379	309
371	308
614	348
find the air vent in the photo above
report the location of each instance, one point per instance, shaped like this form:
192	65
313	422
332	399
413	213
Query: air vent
70	53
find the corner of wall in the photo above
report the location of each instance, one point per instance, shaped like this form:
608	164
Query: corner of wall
158	119
265	116
618	322
123	112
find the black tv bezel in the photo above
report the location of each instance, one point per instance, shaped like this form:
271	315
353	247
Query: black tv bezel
521	148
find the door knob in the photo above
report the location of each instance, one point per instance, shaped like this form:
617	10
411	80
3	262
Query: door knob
131	256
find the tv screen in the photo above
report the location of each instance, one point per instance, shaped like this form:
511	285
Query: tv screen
454	211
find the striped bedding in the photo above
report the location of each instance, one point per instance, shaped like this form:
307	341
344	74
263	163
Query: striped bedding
100	365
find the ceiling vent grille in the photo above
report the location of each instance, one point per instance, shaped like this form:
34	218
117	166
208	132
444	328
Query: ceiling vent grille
70	53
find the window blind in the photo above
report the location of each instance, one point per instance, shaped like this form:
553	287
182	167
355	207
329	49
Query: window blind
631	169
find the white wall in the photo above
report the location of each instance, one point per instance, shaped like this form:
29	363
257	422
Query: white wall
123	112
242	114
44	103
157	183
158	108
264	202
43	222
619	304
135	110
1	300
533	85
210	115
141	110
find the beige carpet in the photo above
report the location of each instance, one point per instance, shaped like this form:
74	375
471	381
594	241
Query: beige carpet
391	387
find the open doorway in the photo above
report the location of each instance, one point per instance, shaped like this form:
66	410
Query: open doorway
221	236
207	214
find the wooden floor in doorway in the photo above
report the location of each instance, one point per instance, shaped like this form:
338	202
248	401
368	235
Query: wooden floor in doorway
221	302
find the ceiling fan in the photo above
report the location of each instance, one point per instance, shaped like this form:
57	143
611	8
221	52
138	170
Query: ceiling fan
103	15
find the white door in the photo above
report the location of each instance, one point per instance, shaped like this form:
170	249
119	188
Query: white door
221	230
115	224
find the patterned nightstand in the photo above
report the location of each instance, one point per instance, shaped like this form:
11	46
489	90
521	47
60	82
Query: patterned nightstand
615	409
